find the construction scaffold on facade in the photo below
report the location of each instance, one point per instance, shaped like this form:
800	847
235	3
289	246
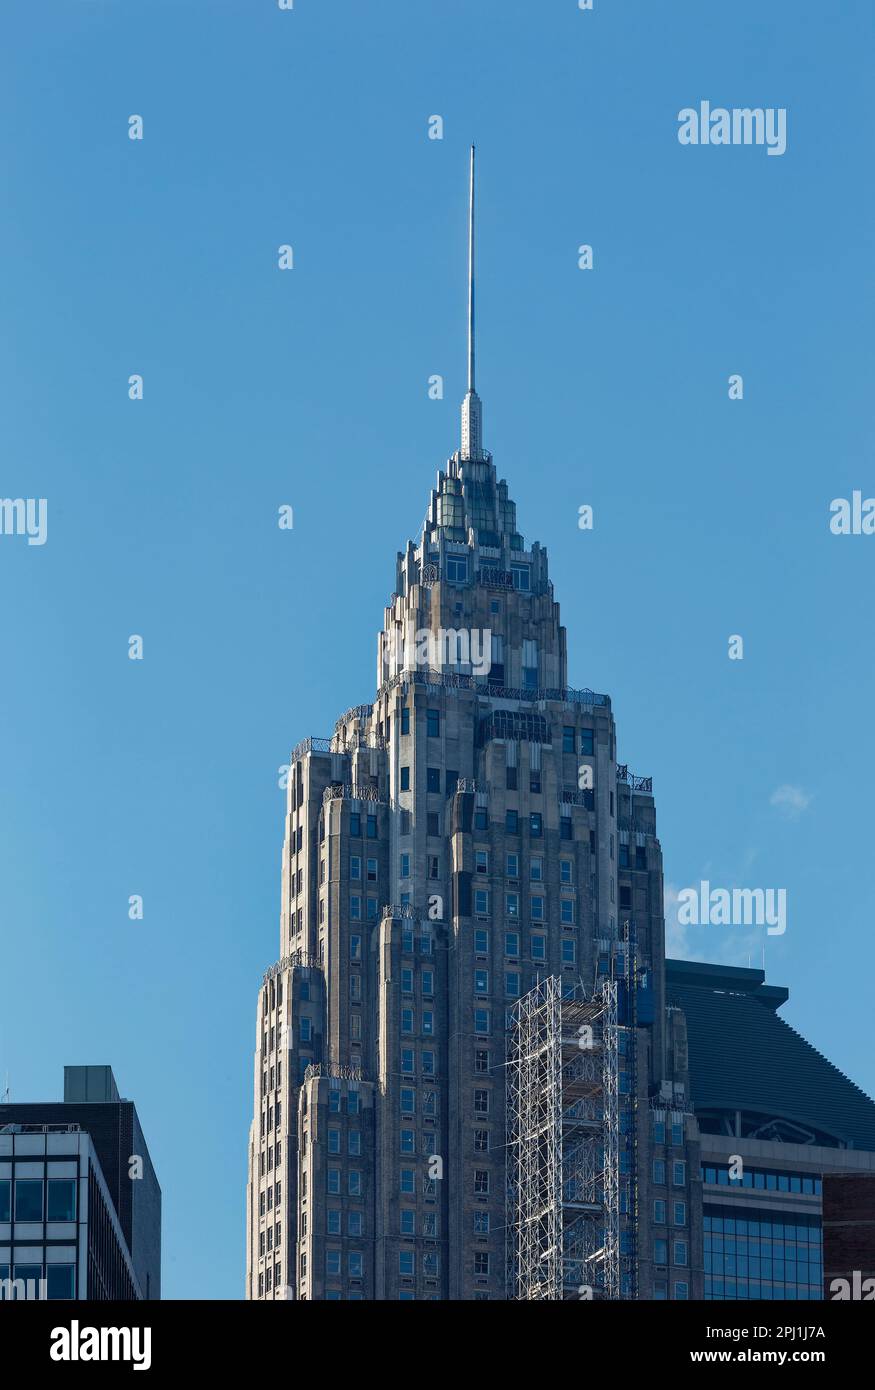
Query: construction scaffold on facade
563	1215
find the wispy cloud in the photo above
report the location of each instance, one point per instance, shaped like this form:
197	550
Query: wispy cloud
791	800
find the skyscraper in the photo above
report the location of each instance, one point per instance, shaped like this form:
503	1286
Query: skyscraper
448	846
465	842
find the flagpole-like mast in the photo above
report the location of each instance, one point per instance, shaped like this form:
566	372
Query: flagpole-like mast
472	410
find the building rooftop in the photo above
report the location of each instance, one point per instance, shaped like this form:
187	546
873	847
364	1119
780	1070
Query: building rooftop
743	1056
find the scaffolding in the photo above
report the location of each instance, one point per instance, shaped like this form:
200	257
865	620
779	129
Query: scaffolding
563	1214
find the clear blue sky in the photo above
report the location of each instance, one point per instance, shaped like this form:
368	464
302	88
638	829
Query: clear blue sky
310	388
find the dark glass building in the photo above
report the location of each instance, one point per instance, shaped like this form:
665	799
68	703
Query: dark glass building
80	1205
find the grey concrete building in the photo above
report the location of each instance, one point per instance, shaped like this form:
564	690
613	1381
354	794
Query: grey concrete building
462	837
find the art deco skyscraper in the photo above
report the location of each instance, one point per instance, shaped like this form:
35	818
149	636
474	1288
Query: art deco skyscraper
463	837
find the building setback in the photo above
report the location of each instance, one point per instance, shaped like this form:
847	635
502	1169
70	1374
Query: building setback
80	1206
463	840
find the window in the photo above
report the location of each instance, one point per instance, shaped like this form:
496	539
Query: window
405	719
481	820
537	909
432	779
405	866
481	902
481	1102
535	783
512	904
407	1021
569	950
510	779
372	871
481	1061
512	983
433	723
429	1230
566	871
679	1213
354	1186
60	1281
5	1200
586	742
481	1223
408	1180
568	738
333	1222
408	1141
481	1263
306	1027
539	946
482	1021
678	1173
434	866
677	1133
566	911
481	941
61	1204
511	822
355	866
521	575
372	827
406	1262
28	1200
332	1263
512	866
481	1141
356	1264
427	1022
660	1252
433	823
511	943
481	861
427	981
481	1182
481	981
659	1172
407	980
405	779
407	1061
566	828
679	1252
408	1222
681	1289
457	569
428	1064
659	1212
536	824
334	1141
355	987
408	1100
333	1181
